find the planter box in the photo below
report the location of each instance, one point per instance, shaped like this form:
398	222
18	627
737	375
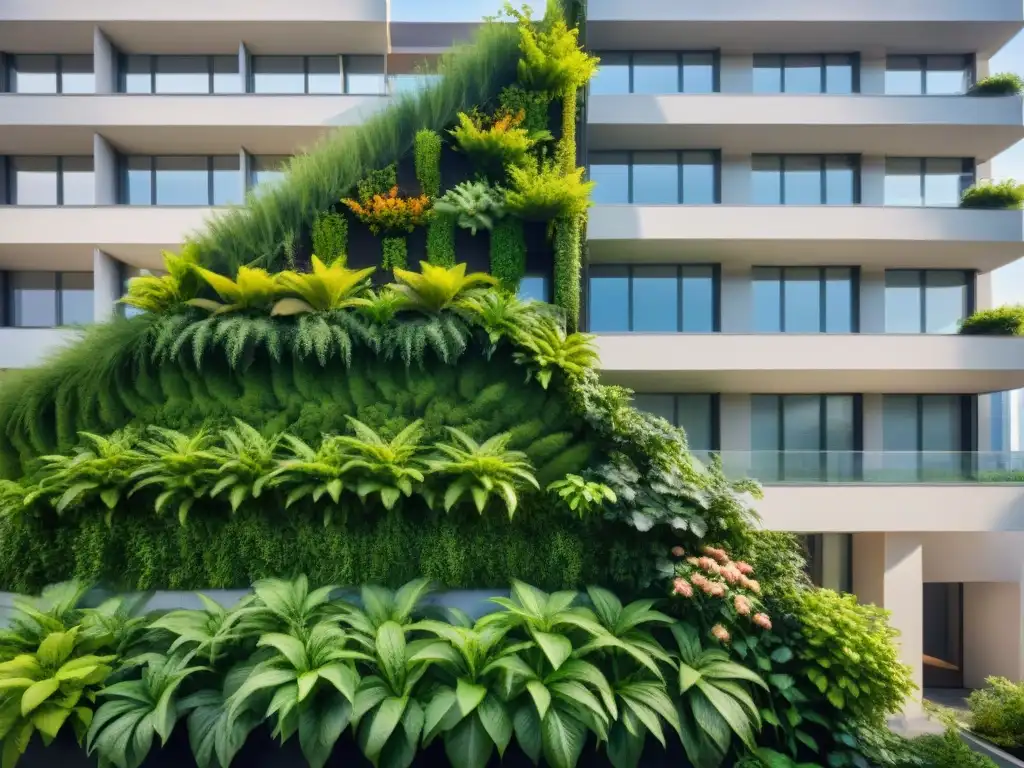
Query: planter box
999	756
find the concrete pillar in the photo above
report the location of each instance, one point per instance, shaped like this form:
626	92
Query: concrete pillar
243	176
983	67
983	298
872	74
734	433
104	62
737	171
736	73
993	629
872	299
872	180
737	299
835	557
243	66
106	285
105	166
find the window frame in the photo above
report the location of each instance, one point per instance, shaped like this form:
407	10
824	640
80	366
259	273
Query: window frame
716	157
122	74
716	295
250	84
716	68
7	288
822	294
971	276
122	191
970	68
9	68
968	176
855	67
10	187
857	163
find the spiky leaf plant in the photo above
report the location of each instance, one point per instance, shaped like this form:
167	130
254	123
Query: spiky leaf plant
180	468
378	605
549	348
310	472
475	204
326	288
252	288
245	459
382	467
481	470
541	191
552	58
167	292
209	632
502	314
434	289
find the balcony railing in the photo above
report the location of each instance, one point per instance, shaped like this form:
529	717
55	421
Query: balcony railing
884	467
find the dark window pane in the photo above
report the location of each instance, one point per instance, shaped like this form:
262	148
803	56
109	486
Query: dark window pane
803	300
945	301
940	425
278	74
655	178
34	299
662	406
902	301
138	181
803	74
801	178
840	180
325	74
698	300
76	303
767	73
699	178
77	74
364	74
79	181
767	298
182	181
182	74
609	299
35	180
839	74
903	181
943	181
137	75
535	287
899	430
764	436
226	77
698	73
839	424
801	423
33	74
611	172
655	299
947	75
839	300
612	76
655	73
695	417
227	180
766	180
268	169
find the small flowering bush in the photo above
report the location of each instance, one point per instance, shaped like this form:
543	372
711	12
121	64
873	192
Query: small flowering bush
390	212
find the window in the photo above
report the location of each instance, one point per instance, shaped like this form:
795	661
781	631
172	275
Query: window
179	74
696	414
51	181
48	299
916	181
50	73
181	180
266	169
805	300
655	73
803	73
655	178
317	74
653	299
931	75
411	83
924	436
805	180
805	437
535	287
364	75
927	301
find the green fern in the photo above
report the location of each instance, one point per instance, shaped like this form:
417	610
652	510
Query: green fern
540	191
549	348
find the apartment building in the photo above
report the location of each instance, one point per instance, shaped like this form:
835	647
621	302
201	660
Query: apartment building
776	257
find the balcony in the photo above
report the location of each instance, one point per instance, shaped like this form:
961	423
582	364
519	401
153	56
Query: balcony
172	124
860	491
27	347
812	363
913	126
64	238
196	26
886	236
805	26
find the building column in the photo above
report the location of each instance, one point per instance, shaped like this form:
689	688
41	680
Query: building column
106	285
872	74
243	66
737	171
245	166
736	299
871	304
736	73
104	62
872	180
993	631
104	158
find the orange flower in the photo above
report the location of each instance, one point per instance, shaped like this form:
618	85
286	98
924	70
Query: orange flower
720	633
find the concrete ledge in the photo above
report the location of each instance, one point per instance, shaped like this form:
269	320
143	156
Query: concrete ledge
1000	758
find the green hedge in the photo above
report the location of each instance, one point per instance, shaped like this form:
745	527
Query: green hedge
1002	84
988	194
1000	321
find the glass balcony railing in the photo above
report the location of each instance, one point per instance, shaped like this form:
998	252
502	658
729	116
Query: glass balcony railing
893	467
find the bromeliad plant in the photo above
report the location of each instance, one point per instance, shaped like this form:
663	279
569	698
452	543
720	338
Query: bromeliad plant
169	292
253	288
326	289
434	289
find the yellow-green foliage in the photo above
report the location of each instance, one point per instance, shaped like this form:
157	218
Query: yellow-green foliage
377	182
428	162
394	253
494	145
441	240
330	237
161	294
539	191
253	288
552	59
568	237
532	104
326	288
436	288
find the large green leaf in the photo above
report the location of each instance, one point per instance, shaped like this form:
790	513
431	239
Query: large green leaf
563	737
495	720
528	731
624	748
557	648
731	711
468	745
381	725
320	727
37	693
390	645
469	695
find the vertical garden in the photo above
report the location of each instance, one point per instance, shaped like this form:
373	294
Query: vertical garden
334	396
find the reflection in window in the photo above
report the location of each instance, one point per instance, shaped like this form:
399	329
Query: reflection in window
65	73
652	299
804	437
655	178
179	74
535	287
181	180
365	75
49	299
927	301
923	436
805	180
803	73
931	75
411	83
804	299
51	181
917	181
267	169
655	73
695	413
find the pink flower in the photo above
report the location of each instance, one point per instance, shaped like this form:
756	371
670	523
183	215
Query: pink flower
731	574
717	589
693	561
762	620
682	587
678	551
754	586
719	554
699	580
745	568
742	605
707	564
720	633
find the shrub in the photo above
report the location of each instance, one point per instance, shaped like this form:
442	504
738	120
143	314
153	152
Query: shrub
1000	321
539	191
989	194
1002	84
508	253
945	751
568	237
427	155
552	59
493	144
391	213
997	712
377	182
330	237
474	204
441	240
395	253
162	294
533	105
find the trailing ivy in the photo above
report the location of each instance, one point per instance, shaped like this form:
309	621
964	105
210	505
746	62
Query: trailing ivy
427	155
394	253
508	253
330	237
